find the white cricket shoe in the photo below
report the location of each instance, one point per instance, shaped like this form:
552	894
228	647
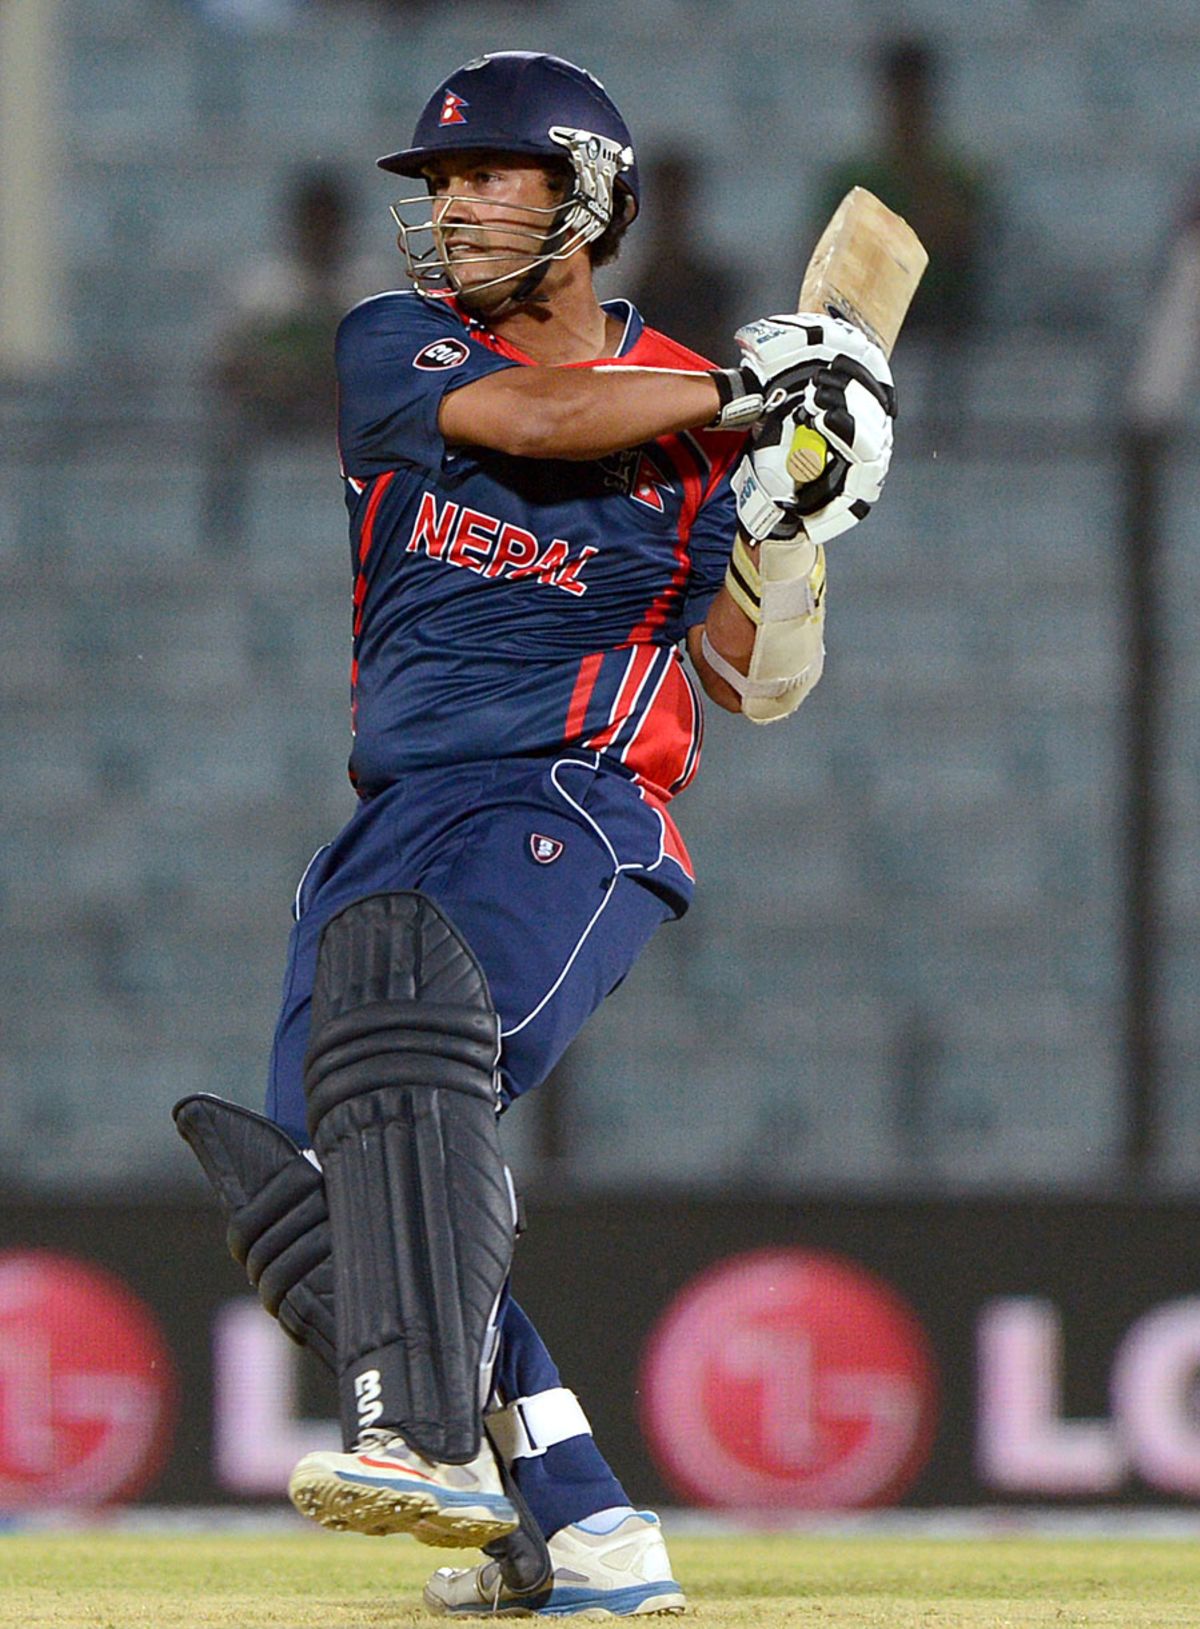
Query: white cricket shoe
384	1486
623	1573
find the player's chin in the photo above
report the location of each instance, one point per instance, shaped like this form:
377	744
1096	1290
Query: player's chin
490	291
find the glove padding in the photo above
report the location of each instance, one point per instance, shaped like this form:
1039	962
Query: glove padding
780	352
826	377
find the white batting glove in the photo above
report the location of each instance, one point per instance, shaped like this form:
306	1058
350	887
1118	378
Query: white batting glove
771	505
773	347
828	415
778	354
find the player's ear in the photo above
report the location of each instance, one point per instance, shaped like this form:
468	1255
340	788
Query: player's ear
605	249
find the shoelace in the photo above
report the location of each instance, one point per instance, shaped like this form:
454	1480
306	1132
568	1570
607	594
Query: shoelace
490	1576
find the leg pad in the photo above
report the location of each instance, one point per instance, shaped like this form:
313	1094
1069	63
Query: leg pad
276	1215
400	1083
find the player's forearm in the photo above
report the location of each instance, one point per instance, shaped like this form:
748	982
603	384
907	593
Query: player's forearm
730	632
576	413
761	649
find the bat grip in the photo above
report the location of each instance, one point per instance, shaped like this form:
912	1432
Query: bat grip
807	454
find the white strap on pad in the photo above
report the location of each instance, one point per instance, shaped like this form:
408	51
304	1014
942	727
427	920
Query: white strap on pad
739	681
526	1427
789	646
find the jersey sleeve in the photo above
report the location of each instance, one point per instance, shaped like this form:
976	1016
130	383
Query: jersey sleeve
397	355
709	546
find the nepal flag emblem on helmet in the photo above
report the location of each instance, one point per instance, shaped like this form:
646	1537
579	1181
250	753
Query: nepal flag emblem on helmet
452	109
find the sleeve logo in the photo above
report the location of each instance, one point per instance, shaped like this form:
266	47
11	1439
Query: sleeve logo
442	353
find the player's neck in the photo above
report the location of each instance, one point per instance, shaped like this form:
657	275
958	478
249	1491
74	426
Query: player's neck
571	326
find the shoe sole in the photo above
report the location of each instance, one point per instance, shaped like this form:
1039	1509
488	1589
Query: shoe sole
595	1614
345	1505
655	1606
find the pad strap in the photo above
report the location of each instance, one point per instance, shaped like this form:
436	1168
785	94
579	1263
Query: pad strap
768	688
526	1427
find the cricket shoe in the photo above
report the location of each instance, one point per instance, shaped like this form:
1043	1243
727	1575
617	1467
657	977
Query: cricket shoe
384	1486
621	1573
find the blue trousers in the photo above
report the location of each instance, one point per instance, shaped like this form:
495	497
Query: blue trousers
556	872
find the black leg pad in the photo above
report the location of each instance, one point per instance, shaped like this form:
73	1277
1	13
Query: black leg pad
400	1083
278	1229
275	1210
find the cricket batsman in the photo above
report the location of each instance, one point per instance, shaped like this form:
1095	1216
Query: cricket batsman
548	501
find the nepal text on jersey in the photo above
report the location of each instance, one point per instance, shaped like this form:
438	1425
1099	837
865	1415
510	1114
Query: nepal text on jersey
475	541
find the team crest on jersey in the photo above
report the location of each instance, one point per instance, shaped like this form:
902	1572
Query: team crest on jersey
649	484
452	109
545	850
638	476
442	353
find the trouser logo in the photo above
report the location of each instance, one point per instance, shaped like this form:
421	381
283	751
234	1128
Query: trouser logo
368	1396
544	849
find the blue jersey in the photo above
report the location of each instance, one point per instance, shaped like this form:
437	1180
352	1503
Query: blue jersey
509	607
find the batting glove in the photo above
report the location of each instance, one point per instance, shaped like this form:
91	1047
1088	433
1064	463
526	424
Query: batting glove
772	349
741	395
779	354
821	451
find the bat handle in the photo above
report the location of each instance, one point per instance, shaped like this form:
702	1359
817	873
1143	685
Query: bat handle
806	455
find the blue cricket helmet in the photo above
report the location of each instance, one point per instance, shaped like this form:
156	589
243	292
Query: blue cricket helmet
511	102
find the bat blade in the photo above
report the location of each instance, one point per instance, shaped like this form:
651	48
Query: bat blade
865	268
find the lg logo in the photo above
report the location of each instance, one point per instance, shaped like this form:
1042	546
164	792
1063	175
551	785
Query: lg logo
87	1385
1024	1443
789	1379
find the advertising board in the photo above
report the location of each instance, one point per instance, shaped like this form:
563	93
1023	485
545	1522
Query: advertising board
751	1355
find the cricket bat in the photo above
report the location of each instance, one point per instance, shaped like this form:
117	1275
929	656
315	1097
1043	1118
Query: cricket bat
865	268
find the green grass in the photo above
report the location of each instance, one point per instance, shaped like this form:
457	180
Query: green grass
324	1581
